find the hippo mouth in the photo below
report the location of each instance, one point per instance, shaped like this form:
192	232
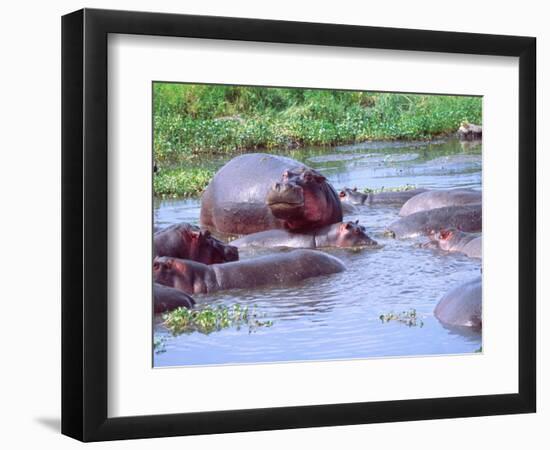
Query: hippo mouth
284	204
283	210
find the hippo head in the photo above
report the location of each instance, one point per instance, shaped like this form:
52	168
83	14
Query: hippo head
352	196
443	237
205	248
304	199
351	234
188	276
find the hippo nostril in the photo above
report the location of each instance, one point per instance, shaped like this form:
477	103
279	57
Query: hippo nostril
277	186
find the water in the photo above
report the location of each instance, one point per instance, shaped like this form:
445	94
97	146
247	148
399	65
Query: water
338	316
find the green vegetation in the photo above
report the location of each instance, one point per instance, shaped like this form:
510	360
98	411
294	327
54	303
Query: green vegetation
181	183
211	318
409	318
405	187
193	121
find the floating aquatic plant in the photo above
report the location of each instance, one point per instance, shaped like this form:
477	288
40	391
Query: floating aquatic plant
405	187
209	319
409	318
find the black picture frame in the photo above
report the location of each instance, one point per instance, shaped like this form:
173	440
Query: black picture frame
84	224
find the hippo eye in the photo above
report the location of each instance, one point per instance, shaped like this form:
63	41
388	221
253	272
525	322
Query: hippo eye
156	265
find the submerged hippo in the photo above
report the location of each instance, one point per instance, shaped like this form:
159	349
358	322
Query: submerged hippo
423	223
461	307
469	132
258	191
452	240
439	199
189	242
167	298
355	197
345	234
278	269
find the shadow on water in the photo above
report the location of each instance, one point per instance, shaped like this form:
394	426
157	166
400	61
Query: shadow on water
338	316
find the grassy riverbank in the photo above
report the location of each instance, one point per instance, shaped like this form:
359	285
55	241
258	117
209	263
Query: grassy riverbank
193	122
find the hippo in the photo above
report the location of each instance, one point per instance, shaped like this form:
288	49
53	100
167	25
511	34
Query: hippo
344	234
461	307
276	269
257	191
453	240
465	218
355	197
189	242
167	298
469	132
439	199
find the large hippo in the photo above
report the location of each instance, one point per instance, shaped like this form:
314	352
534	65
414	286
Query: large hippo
465	218
461	307
257	191
277	269
452	240
167	298
439	199
356	197
190	242
345	234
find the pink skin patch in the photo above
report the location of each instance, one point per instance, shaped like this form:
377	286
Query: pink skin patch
314	206
445	234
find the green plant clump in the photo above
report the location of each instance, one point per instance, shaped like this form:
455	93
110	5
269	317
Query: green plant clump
409	318
405	187
210	319
181	182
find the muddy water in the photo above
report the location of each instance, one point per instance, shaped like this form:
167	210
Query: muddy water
338	316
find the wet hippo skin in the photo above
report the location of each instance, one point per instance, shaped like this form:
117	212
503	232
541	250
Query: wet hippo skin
465	218
461	307
345	234
166	298
190	242
439	199
354	197
453	240
256	192
277	269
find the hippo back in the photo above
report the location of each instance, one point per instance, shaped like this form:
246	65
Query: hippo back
234	201
439	199
461	306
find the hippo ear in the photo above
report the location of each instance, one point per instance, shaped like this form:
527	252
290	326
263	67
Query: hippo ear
357	221
342	194
195	234
318	177
187	233
355	189
446	234
348	225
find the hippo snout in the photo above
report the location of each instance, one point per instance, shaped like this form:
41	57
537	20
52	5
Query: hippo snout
288	193
231	253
